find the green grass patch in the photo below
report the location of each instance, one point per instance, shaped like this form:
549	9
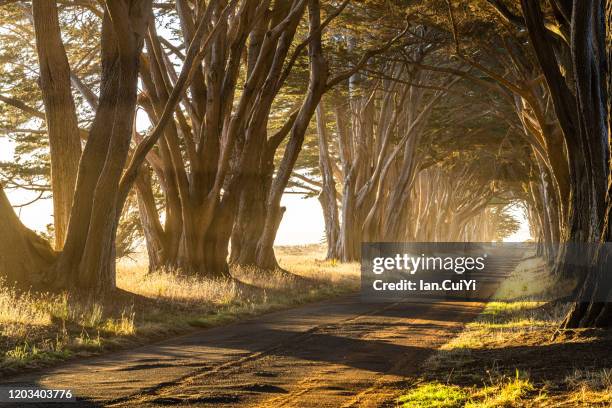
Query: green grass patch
503	393
434	395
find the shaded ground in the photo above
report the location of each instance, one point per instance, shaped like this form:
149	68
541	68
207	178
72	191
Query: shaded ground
573	370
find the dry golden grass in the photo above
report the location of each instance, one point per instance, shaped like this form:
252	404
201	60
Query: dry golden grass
170	285
16	309
590	387
37	329
308	261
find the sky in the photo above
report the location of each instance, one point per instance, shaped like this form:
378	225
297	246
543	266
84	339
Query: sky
302	222
523	234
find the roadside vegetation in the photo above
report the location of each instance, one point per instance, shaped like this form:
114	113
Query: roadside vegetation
39	329
513	355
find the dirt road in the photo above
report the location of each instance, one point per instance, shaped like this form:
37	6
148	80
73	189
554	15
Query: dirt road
336	353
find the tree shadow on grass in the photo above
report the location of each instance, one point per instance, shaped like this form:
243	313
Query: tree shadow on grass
544	361
274	282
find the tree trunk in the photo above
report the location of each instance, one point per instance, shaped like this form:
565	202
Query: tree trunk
87	260
328	195
61	119
96	269
316	88
213	168
584	118
217	239
149	220
94	215
351	223
251	217
591	53
24	256
266	259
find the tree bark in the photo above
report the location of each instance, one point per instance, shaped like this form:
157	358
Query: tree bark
591	56
584	118
316	87
87	258
153	231
328	196
60	113
251	216
24	256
